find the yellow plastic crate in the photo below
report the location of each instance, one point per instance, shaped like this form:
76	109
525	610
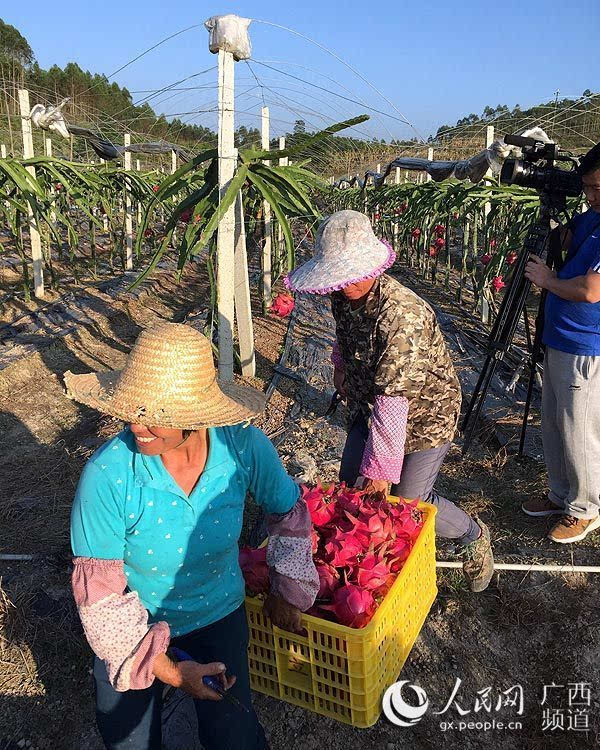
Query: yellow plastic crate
343	672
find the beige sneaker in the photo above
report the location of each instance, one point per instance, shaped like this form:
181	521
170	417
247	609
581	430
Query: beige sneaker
541	506
570	529
478	566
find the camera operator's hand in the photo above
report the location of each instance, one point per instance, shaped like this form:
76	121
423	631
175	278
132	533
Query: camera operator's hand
538	272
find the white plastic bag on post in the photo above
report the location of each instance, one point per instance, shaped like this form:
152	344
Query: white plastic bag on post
50	118
230	33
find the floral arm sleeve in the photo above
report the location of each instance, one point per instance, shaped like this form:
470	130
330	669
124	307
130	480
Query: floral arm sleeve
116	623
292	571
114	620
383	456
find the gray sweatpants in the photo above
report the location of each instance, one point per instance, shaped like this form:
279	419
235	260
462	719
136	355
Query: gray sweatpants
419	472
571	431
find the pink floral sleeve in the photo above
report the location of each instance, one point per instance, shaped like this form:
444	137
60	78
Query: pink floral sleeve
116	623
384	452
336	356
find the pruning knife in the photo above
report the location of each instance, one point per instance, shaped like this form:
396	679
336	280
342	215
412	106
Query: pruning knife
211	682
333	404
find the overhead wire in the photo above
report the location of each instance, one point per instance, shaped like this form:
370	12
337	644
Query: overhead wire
145	52
333	93
350	67
554	118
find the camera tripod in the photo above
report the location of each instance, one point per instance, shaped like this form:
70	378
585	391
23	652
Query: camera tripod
507	320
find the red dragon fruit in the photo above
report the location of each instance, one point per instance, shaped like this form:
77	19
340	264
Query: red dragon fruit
352	606
410	521
349	499
416	233
329	580
320	511
439	243
360	542
440	230
343	549
372	573
498	283
397	550
282	305
355	528
511	258
485	259
379	525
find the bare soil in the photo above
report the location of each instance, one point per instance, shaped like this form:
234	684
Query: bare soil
528	629
45	439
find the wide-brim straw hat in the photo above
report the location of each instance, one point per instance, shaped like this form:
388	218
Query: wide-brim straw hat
169	380
346	251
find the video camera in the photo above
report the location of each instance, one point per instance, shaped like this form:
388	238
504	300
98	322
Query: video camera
546	178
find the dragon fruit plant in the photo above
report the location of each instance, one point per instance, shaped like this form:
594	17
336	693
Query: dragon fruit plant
360	542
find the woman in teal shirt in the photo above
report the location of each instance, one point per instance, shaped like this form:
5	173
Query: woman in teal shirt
155	527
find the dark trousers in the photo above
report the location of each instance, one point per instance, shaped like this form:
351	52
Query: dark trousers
131	720
419	472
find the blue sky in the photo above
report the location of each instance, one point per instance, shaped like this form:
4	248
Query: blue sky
434	61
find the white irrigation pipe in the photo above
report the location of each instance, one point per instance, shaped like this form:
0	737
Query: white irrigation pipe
457	565
523	566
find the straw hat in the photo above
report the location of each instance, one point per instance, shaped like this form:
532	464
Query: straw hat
169	380
347	251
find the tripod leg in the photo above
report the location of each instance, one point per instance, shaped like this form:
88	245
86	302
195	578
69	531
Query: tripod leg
489	374
532	371
509	313
476	392
535	357
527	329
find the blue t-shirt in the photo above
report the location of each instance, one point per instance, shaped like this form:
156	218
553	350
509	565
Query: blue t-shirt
574	327
180	553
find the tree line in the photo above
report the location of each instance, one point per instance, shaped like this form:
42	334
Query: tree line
571	122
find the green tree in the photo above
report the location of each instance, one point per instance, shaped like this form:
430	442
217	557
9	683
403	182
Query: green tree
14	47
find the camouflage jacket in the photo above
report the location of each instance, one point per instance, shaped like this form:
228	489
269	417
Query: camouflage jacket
393	346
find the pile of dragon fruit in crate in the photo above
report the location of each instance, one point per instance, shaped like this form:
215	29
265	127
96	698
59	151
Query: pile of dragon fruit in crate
359	542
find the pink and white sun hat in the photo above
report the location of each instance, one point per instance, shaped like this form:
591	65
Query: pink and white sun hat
346	251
